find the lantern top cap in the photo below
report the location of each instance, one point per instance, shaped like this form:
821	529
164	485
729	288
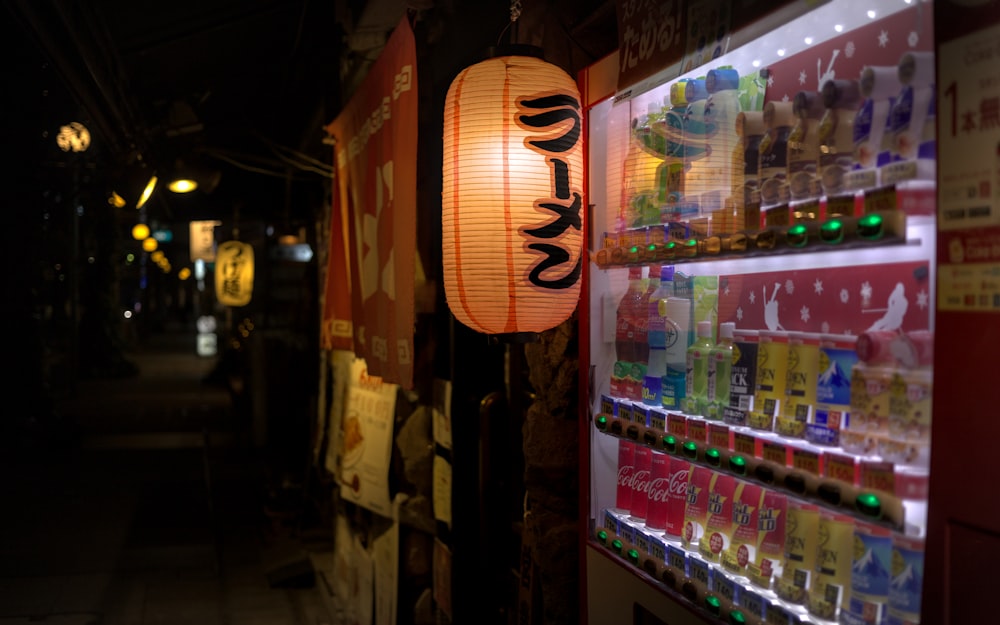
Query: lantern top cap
515	49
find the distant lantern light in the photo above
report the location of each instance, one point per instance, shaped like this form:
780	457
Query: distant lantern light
140	232
512	233
149	244
73	137
234	268
147	191
182	185
116	200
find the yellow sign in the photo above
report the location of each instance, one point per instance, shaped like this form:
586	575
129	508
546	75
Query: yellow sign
234	273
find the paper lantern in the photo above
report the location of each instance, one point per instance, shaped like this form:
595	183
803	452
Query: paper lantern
234	273
512	232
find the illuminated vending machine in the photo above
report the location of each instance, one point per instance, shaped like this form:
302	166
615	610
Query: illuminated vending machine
791	314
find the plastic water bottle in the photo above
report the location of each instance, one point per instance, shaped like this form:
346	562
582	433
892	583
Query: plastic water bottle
656	367
696	397
720	367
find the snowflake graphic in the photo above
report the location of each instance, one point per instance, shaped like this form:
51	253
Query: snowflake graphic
866	291
844	296
802	77
770	79
883	39
789	286
725	291
824	327
913	39
784	98
753	297
804	314
739	313
849	50
923	299
818	286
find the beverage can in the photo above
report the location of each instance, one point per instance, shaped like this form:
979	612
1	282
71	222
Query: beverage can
772	370
657	493
801	378
742	548
870	563
677	483
626	465
906	578
640	481
696	505
870	398
801	539
742	378
837	358
772	520
831	584
719	522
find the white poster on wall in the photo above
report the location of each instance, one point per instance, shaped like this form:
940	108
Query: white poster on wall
367	430
969	131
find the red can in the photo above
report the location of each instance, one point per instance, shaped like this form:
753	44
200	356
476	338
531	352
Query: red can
640	481
657	502
626	465
677	495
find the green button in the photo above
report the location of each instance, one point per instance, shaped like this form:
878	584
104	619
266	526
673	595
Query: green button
870	227
737	618
616	545
869	504
738	465
832	231
691	450
633	556
602	536
713	456
713	604
601	422
797	235
669	443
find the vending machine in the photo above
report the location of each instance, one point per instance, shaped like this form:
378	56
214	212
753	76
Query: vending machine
790	306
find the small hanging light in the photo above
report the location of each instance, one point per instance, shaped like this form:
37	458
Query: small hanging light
512	232
234	273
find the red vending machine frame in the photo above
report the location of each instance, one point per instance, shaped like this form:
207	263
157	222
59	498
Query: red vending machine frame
627	576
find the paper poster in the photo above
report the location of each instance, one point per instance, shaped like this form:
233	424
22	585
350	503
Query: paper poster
442	413
969	270
340	361
442	490
367	431
369	291
351	580
969	131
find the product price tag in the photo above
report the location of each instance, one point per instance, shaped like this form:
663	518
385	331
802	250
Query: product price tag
877	475
658	549
609	405
627	533
677	424
677	559
775	452
728	588
610	522
718	435
840	467
745	444
701	572
641	541
806	460
625	412
658	420
697	430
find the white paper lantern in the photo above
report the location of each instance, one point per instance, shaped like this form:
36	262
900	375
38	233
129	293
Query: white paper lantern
512	196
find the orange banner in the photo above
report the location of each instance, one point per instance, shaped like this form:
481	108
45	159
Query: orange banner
370	272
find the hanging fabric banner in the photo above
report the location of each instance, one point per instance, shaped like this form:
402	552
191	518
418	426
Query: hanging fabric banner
370	275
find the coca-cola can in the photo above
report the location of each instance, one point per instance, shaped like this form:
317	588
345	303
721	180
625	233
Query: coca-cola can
676	496
640	481
657	503
626	465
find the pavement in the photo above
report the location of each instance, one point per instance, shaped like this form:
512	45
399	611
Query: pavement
146	504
